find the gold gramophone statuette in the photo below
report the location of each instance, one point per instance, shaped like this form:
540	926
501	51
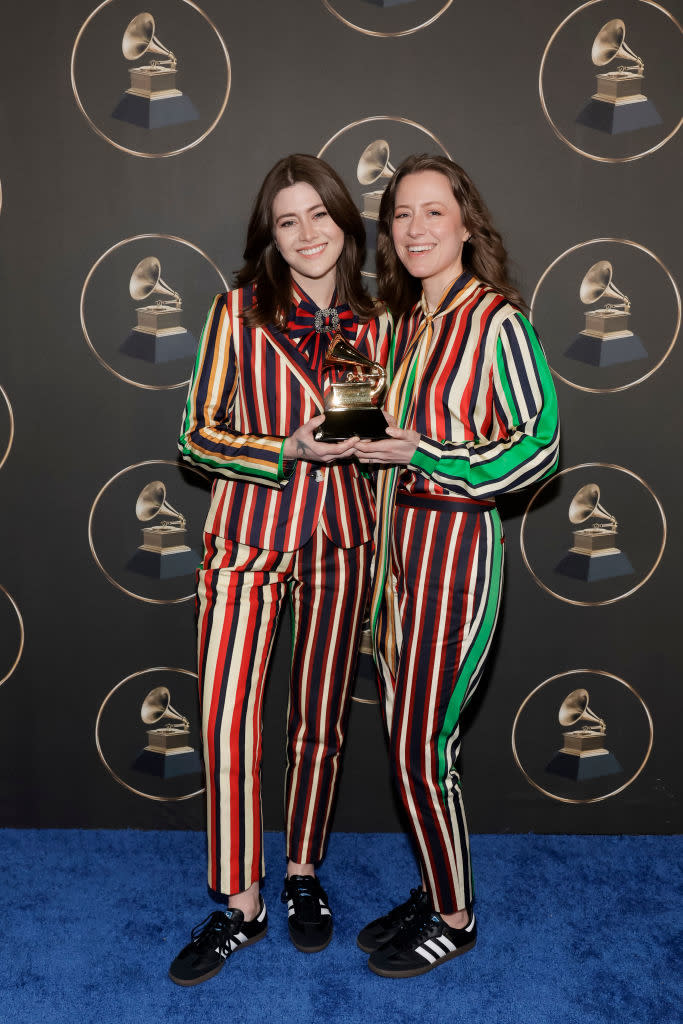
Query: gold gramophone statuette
351	404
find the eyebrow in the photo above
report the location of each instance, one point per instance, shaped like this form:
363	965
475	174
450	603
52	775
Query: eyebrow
310	209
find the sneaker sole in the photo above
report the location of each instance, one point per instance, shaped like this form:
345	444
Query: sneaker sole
415	971
187	982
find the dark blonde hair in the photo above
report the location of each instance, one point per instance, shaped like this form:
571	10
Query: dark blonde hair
483	253
265	267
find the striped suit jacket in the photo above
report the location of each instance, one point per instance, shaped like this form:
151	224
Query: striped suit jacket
250	390
472	379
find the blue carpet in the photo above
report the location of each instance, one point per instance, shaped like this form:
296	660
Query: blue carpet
573	930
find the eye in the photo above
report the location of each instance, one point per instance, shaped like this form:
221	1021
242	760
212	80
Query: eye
434	213
397	216
320	213
286	223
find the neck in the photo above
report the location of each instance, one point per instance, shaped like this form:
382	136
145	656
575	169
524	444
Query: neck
435	287
320	289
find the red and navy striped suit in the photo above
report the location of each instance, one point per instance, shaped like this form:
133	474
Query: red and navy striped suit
472	379
273	534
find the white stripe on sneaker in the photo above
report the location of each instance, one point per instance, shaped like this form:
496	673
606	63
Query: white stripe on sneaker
428	956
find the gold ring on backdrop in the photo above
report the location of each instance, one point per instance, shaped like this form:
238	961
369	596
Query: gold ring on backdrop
93	552
141	153
3	458
672	282
15	608
387	35
96	264
605	796
546	112
117	778
552	479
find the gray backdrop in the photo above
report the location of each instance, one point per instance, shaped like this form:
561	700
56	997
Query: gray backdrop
470	84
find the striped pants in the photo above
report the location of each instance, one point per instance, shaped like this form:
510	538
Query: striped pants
241	593
448	571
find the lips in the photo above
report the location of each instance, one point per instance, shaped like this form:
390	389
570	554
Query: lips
313	250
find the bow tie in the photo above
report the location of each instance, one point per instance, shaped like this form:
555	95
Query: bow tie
305	320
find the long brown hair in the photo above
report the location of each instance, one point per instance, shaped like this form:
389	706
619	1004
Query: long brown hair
265	267
483	253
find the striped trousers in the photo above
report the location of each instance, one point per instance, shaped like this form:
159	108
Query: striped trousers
448	570
241	592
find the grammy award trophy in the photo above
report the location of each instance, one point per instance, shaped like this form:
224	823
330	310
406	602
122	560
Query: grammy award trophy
351	408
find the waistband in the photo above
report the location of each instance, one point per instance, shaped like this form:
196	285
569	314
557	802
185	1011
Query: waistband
442	502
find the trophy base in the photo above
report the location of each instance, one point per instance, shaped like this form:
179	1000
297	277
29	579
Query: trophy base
155	112
586	348
615	118
341	424
589	568
579	769
168	766
164	565
159	348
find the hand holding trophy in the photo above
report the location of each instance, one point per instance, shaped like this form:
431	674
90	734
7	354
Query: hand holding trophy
351	405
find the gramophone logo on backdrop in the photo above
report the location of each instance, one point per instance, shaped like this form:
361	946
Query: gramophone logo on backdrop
178	76
159	335
141	541
152	100
594	554
148	737
366	153
159	348
618	105
591	762
624	306
623	117
387	18
163	553
597	560
11	635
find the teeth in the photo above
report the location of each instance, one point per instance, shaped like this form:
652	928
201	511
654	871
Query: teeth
419	248
313	251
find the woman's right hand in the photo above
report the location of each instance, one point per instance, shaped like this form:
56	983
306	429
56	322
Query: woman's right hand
302	444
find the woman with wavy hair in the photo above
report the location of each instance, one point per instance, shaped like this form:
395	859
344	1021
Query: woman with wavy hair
473	414
290	522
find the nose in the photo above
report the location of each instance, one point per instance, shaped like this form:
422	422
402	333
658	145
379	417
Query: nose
307	229
416	226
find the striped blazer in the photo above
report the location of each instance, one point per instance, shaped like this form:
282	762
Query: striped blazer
250	390
472	379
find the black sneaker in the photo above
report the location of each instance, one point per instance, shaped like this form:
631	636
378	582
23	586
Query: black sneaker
213	940
421	945
310	919
384	928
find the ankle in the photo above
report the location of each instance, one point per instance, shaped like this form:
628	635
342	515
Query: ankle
249	901
294	868
459	919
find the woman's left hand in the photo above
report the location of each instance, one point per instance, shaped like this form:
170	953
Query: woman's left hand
395	450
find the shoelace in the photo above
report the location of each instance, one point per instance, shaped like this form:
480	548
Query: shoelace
407	910
305	894
413	931
214	932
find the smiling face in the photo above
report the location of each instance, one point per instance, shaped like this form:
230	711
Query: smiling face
307	237
428	231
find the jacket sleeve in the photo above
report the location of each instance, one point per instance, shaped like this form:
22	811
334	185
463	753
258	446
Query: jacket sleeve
525	409
207	435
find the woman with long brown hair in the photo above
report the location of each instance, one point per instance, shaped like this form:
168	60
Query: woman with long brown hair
473	414
290	522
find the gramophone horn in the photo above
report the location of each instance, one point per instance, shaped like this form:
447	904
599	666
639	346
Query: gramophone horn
341	353
597	284
139	38
574	709
586	505
146	280
152	500
609	43
157	705
374	163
